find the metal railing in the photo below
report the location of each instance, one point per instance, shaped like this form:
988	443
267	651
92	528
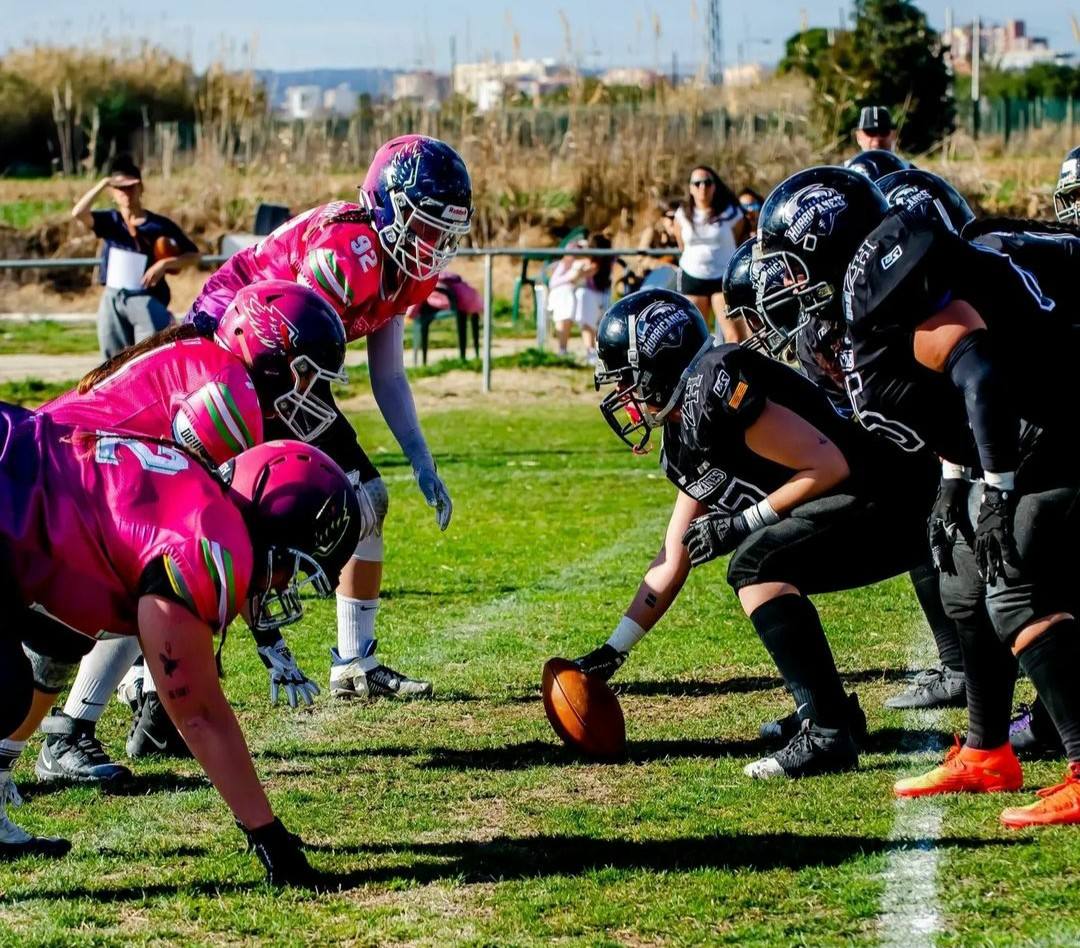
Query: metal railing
488	253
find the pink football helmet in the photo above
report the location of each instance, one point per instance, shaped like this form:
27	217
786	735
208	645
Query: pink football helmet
291	340
303	518
419	194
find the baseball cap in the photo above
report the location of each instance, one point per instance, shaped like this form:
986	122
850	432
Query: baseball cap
875	119
124	167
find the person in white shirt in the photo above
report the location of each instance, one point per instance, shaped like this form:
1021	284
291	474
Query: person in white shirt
708	227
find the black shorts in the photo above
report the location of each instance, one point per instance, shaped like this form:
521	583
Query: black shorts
695	286
836	542
341	443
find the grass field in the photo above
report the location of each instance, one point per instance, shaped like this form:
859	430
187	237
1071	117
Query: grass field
462	820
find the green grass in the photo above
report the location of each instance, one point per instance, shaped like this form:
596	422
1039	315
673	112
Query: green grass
48	337
462	820
28	213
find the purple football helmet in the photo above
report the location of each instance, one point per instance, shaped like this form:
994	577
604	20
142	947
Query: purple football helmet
418	192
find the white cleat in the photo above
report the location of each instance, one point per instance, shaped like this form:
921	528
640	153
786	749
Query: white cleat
366	678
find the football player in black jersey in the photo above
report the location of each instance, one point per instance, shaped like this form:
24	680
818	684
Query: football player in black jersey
953	347
767	471
816	349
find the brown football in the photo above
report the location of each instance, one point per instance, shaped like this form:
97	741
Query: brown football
583	710
165	248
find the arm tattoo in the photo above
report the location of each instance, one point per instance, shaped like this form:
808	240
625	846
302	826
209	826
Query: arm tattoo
168	661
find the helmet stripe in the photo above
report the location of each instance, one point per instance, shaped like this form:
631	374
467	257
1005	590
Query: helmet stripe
235	414
228	434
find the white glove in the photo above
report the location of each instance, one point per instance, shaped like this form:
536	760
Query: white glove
436	495
285	673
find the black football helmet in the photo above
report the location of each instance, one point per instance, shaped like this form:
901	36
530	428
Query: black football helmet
1067	192
742	282
927	195
810	227
647	345
875	163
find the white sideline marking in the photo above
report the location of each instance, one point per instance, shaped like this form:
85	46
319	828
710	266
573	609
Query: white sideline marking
910	911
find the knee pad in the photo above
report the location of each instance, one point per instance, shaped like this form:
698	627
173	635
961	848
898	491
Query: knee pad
371	548
50	675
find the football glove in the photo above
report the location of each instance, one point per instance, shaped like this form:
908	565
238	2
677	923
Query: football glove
436	495
285	673
946	516
715	534
994	545
280	853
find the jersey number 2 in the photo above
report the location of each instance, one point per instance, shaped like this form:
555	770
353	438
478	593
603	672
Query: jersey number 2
159	458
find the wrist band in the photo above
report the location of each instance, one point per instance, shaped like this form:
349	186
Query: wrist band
1006	480
954	472
760	515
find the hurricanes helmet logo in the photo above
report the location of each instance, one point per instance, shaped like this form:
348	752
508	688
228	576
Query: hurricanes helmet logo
660	326
910	196
812	213
1070	171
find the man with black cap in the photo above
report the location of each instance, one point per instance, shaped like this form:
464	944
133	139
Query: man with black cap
140	248
875	129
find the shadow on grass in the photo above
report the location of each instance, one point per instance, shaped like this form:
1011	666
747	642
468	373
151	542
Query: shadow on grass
742	684
536	857
136	786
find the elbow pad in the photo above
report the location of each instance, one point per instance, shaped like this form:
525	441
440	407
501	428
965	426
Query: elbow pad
994	422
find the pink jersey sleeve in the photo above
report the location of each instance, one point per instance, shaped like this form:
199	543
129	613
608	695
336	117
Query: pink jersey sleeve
221	418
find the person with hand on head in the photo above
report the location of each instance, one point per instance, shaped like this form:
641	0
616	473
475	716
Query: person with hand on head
128	314
370	261
708	227
106	531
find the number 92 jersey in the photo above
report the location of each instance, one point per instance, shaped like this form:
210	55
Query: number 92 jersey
904	272
84	515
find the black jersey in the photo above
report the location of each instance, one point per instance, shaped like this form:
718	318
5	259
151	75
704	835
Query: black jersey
818	347
1052	258
705	453
907	270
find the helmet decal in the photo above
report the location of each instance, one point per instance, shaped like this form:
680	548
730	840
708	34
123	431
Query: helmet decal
329	534
661	322
811	213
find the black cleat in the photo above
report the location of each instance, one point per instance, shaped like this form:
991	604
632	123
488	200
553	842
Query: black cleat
152	731
813	751
937	687
784	729
602	662
14	840
1032	734
72	752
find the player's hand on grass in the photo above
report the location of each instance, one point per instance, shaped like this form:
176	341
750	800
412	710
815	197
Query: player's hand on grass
715	534
994	545
281	854
436	495
286	674
946	516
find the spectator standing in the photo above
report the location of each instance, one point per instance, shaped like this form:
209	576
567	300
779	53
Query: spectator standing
750	204
135	306
875	129
708	227
579	291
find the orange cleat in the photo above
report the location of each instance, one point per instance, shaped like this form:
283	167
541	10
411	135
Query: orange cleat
967	770
1056	805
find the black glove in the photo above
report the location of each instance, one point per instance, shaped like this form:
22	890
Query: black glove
946	516
994	545
280	853
715	534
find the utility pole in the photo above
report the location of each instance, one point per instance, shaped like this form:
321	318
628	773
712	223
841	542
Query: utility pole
976	57
715	39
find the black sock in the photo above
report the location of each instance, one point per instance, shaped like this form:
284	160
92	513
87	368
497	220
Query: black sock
990	678
790	629
1051	662
928	591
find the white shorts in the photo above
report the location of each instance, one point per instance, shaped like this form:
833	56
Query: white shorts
581	305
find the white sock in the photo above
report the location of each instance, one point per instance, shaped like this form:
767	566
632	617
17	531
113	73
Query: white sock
627	634
355	625
10	752
99	673
148	684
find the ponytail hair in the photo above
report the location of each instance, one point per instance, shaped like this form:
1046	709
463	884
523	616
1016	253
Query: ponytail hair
1018	225
202	326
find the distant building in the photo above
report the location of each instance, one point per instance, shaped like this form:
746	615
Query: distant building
341	101
486	84
423	87
302	102
630	76
748	74
1002	46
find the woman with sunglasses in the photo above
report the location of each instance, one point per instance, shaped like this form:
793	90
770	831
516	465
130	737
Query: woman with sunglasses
129	314
708	228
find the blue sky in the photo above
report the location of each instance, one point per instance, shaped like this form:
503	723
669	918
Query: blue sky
351	33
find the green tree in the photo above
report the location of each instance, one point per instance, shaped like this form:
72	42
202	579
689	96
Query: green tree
890	57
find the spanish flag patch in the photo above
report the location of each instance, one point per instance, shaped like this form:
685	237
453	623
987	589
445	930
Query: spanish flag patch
737	396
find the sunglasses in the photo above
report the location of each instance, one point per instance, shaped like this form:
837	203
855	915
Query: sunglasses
750	205
701	182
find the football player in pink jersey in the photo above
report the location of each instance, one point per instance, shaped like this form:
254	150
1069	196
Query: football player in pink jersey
258	371
370	261
102	531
